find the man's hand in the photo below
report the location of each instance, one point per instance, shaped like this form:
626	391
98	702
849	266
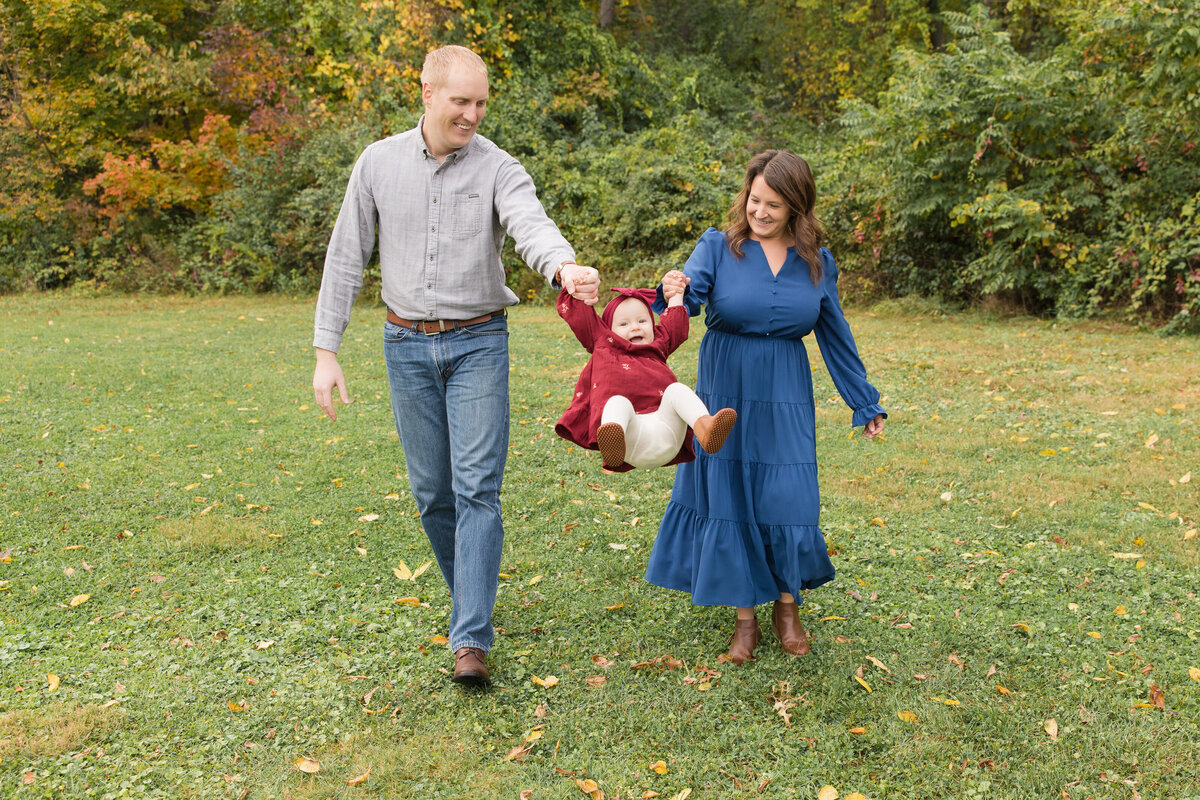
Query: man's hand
582	283
874	427
327	375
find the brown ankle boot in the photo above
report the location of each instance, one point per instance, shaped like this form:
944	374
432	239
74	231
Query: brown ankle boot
785	622
746	636
713	429
611	438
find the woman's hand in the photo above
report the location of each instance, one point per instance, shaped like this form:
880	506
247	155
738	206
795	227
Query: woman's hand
674	283
874	427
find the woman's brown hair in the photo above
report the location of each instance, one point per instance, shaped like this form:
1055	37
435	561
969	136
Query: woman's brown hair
790	177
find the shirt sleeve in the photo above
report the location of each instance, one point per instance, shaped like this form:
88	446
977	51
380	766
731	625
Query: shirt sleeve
673	327
349	251
701	266
582	319
840	354
536	237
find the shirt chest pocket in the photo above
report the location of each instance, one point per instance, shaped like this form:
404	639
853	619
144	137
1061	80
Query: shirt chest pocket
466	214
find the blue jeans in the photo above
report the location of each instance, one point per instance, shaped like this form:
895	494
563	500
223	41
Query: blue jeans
450	400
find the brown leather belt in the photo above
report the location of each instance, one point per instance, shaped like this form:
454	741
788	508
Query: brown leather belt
432	327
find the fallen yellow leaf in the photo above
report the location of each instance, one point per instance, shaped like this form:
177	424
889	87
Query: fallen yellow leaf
1120	610
439	639
419	571
234	706
863	683
1051	727
684	795
309	766
52	680
1194	674
858	731
360	779
878	663
518	753
649	793
402	572
1094	634
1185	478
368	518
78	599
408	601
1002	690
586	786
856	796
546	682
660	767
827	793
907	716
1189	534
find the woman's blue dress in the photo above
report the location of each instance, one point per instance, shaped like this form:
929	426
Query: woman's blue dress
741	526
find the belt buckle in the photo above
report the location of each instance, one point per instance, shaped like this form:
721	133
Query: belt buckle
441	327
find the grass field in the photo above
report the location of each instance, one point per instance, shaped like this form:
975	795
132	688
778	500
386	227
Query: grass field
198	576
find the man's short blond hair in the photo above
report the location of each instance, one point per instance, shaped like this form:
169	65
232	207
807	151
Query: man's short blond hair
440	62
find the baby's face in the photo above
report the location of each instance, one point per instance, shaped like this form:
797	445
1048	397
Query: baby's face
633	321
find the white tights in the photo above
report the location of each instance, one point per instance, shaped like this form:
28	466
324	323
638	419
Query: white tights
653	439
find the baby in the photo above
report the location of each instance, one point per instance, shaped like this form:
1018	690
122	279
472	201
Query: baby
627	403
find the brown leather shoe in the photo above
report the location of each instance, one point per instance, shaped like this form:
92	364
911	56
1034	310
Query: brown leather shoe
610	437
785	622
746	636
470	668
713	429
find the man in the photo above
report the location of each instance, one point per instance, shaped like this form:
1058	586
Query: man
443	199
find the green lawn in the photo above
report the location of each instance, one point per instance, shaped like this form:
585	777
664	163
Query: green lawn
197	581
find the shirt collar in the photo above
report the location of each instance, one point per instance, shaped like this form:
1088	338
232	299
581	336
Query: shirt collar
452	157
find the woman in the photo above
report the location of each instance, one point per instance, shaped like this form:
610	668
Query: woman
741	527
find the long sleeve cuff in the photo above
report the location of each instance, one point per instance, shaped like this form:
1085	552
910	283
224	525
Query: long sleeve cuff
327	340
865	414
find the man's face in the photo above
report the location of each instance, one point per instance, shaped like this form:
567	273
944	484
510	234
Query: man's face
633	322
453	110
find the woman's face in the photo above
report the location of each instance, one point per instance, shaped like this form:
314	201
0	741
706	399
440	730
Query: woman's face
766	211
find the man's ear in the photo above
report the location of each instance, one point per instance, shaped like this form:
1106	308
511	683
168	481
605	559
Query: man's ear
427	92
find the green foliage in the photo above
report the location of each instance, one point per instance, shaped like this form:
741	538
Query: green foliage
1056	183
268	230
1038	153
